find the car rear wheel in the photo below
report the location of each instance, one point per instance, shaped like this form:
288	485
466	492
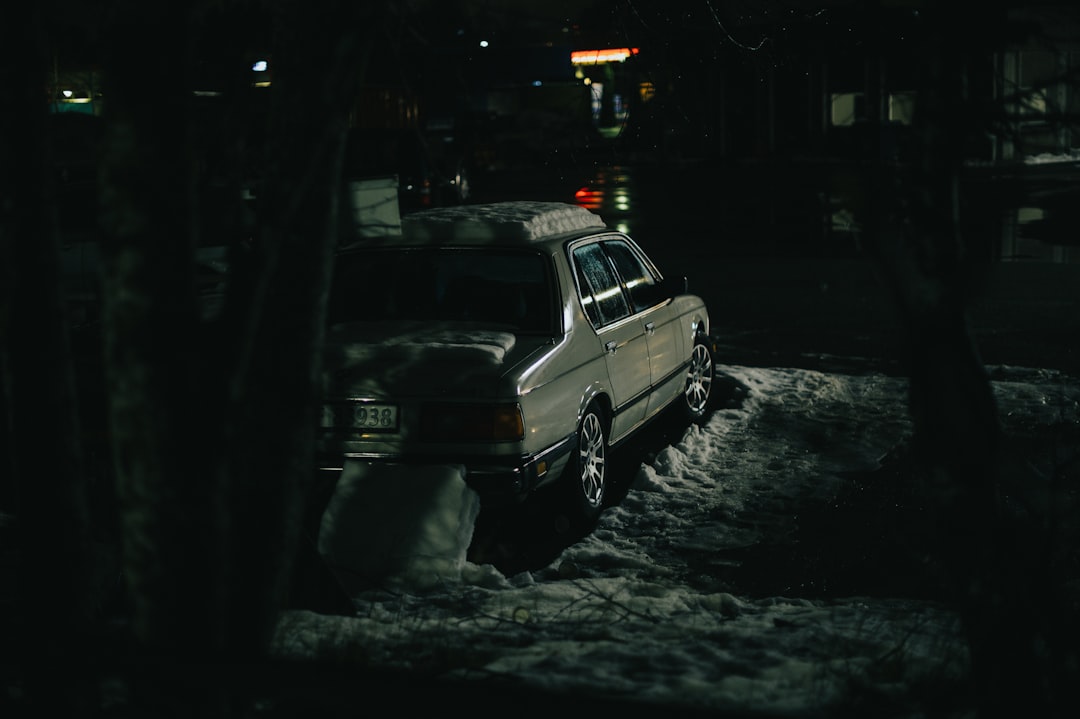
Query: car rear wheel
699	382
586	476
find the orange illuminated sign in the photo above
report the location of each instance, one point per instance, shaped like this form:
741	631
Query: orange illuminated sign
597	57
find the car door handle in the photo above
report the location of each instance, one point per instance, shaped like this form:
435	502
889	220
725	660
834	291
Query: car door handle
611	347
650	328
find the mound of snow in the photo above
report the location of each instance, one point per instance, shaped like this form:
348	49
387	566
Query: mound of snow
516	220
410	525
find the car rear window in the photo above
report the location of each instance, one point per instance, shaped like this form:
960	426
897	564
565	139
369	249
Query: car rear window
509	289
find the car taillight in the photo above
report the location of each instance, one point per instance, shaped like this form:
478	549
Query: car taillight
471	423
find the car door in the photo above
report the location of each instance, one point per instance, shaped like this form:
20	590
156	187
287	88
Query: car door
620	336
651	303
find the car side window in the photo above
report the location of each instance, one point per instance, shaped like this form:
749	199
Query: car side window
638	278
601	295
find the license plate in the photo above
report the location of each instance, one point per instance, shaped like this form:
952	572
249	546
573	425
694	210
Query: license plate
361	416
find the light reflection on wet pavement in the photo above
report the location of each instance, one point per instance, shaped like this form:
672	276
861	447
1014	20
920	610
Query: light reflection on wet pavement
613	192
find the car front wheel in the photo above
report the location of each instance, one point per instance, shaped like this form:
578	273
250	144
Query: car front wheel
699	382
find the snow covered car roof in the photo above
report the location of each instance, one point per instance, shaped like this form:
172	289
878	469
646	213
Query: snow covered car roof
521	221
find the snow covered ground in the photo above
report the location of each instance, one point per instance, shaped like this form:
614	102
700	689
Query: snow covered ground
644	608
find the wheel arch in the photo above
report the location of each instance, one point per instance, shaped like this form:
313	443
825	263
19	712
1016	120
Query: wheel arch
599	397
699	327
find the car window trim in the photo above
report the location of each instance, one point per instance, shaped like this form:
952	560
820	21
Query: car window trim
636	251
639	254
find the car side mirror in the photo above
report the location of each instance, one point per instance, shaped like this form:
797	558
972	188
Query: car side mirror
670	287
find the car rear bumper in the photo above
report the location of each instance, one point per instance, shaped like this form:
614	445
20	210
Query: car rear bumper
496	480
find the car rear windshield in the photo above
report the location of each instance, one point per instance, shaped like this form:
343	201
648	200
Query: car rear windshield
504	288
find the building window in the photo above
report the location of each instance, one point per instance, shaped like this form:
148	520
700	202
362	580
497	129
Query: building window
901	107
1038	72
848	108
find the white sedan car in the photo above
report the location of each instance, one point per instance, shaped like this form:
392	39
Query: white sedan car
522	340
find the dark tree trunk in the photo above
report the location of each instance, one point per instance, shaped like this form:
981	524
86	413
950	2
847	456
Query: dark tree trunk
165	443
213	420
992	560
278	332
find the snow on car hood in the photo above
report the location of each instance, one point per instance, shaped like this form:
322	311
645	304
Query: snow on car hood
369	359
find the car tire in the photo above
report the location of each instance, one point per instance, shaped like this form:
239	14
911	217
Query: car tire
700	377
586	474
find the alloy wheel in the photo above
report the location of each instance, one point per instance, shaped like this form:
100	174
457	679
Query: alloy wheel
591	459
699	380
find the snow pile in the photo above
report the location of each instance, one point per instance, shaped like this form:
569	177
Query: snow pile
517	220
369	359
403	525
1045	158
